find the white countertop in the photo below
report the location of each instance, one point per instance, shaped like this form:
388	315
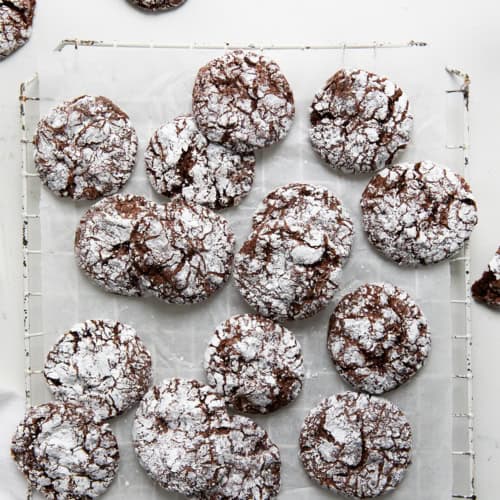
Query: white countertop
465	34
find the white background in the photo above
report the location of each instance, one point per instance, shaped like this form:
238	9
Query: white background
466	34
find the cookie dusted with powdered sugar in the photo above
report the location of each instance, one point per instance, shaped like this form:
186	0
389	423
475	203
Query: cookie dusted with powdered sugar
102	242
180	160
171	434
154	5
418	213
101	364
246	463
359	121
290	265
255	364
85	148
356	445
64	453
487	288
243	101
378	338
16	20
184	253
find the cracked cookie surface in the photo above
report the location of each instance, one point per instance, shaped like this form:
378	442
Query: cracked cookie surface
243	101
184	252
171	434
356	445
487	288
246	463
418	213
64	453
157	4
100	364
290	265
378	338
16	20
85	148
102	242
255	364
180	160
359	121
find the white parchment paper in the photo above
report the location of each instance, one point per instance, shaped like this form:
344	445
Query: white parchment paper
153	86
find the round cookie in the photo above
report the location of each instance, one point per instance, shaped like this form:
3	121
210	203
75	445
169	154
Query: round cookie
180	160
171	434
356	445
85	148
243	101
359	121
378	338
418	213
64	453
154	5
102	242
184	252
101	364
487	288
246	462
290	265
16	20
255	364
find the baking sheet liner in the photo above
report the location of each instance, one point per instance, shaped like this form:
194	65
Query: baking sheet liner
154	86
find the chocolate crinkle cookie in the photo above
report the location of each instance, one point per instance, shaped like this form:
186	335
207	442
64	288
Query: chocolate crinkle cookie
64	453
290	265
184	253
178	252
101	364
255	364
153	5
378	338
102	242
243	101
180	160
487	288
418	213
16	20
85	148
356	445
188	443
359	121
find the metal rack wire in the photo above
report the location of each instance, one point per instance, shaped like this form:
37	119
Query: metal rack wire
463	457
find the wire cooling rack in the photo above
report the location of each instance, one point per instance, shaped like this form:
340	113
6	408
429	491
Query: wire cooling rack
463	454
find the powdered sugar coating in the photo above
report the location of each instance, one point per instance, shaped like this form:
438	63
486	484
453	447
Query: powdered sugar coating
378	338
356	445
64	453
171	434
180	160
246	464
359	121
154	5
418	213
290	265
16	20
102	242
487	288
255	364
85	148
101	364
184	252
243	101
